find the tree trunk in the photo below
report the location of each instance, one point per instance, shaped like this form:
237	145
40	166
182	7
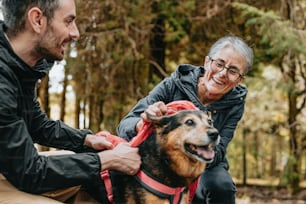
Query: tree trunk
290	11
84	113
294	178
77	112
95	113
245	132
157	45
63	97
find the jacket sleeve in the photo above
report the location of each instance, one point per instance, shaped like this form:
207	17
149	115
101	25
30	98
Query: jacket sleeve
55	133
19	159
226	130
160	92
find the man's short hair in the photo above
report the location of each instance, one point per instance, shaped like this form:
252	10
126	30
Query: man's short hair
15	12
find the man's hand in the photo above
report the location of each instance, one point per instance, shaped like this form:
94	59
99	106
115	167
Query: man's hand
122	158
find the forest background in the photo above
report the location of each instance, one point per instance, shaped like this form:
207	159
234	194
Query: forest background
127	47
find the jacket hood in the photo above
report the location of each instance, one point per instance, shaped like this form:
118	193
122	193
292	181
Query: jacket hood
21	69
186	78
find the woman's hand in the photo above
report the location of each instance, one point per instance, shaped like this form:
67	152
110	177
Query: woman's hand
97	142
156	109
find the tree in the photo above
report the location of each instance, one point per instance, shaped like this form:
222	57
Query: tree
284	48
111	67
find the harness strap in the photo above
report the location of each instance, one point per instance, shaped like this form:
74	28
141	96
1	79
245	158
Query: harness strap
104	175
108	185
192	189
158	188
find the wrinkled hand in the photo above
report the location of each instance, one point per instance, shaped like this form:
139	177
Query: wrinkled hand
122	158
97	143
157	109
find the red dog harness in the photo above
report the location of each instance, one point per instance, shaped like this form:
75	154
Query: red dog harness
174	193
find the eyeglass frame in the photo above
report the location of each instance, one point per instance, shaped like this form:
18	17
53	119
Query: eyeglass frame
227	68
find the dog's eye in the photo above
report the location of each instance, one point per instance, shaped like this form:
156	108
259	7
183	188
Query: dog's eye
189	122
210	121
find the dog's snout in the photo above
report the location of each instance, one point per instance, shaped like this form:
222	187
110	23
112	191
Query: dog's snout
213	134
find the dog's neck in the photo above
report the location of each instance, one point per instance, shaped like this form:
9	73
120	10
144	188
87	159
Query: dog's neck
157	164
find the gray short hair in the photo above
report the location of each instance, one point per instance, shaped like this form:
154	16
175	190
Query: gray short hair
15	11
238	44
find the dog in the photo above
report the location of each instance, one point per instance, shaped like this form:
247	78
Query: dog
173	156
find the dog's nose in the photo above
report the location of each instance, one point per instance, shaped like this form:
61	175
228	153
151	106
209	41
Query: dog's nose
213	134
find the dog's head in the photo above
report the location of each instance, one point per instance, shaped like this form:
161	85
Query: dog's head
188	139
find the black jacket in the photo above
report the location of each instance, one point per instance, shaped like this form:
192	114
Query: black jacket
23	123
182	85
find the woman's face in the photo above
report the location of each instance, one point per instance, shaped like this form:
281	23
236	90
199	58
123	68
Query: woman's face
217	80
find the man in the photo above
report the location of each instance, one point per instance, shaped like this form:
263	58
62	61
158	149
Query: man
33	35
214	87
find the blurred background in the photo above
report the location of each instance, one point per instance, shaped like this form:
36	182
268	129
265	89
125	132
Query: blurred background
127	47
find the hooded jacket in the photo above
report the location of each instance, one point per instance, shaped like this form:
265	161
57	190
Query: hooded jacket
183	85
23	123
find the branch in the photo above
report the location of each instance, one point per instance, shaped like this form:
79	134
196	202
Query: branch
302	105
159	68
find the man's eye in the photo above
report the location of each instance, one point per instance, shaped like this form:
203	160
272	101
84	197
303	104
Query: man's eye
69	22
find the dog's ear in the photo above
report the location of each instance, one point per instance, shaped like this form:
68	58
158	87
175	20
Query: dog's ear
158	120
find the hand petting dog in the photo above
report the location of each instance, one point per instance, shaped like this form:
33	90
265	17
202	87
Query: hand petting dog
156	109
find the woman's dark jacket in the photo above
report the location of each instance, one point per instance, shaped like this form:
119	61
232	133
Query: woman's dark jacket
23	123
183	85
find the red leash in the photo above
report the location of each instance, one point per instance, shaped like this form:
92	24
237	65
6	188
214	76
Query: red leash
145	131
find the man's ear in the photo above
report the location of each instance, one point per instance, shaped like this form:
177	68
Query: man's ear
36	19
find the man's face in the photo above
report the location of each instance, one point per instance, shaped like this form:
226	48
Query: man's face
59	32
218	83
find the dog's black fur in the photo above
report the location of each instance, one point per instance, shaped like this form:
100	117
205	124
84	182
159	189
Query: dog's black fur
171	154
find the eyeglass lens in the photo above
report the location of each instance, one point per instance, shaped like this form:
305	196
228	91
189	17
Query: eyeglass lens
219	66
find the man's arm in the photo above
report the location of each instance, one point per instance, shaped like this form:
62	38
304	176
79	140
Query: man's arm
19	159
56	134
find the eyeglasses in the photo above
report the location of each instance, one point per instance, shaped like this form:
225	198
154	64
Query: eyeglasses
232	73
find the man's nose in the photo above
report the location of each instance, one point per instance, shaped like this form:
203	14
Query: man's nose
74	32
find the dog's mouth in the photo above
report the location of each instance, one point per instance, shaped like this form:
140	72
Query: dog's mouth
204	153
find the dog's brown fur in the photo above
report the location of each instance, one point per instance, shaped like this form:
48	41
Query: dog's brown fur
170	155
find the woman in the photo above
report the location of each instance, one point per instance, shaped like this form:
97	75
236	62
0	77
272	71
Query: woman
214	87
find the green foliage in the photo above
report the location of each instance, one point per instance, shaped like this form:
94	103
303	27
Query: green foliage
175	15
276	36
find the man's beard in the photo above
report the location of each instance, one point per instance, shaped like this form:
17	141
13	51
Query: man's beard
48	47
45	53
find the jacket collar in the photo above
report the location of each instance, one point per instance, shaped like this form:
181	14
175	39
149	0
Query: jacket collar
21	69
